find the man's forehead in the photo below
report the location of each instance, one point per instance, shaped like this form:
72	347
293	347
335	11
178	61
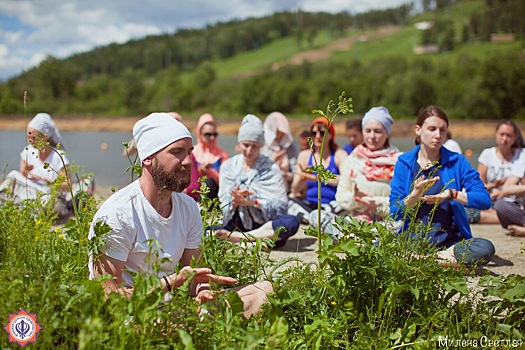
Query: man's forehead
184	142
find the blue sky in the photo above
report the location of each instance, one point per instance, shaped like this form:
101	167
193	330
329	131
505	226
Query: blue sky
30	30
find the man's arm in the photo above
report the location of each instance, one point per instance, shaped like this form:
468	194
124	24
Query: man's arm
187	256
105	265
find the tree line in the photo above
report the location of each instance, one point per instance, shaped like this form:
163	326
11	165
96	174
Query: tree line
145	75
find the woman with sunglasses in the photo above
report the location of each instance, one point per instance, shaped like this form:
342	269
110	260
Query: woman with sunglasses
208	154
433	185
364	185
304	185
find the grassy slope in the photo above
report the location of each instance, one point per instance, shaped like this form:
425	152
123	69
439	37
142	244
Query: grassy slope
400	43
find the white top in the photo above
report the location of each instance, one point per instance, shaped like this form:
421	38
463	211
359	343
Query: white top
134	221
498	168
30	156
453	146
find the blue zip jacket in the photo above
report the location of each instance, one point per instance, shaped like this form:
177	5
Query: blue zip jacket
455	172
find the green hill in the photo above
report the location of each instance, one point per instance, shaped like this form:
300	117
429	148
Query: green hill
295	62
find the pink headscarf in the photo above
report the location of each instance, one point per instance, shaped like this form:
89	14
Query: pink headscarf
205	153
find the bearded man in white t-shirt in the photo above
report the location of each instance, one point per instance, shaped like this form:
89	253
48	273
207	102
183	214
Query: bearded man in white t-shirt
154	208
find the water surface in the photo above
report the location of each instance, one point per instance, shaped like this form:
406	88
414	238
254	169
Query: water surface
109	166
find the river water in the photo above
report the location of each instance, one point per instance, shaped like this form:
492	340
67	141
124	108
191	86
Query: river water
109	166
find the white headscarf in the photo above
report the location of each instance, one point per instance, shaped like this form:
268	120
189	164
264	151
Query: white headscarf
156	131
45	124
277	121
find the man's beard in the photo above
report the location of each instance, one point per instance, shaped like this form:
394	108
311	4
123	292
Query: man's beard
175	181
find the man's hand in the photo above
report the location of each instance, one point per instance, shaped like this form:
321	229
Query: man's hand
198	275
207	295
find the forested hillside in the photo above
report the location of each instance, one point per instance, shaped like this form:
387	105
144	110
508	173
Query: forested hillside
230	69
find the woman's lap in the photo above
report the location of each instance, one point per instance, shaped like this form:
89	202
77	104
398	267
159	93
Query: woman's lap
474	251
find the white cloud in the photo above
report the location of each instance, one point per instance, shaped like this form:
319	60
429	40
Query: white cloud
32	30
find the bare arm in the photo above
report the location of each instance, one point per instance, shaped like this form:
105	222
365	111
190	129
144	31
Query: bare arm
298	183
482	170
106	265
510	187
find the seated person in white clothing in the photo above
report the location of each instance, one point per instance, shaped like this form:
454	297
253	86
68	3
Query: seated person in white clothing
495	165
153	207
509	200
40	165
364	185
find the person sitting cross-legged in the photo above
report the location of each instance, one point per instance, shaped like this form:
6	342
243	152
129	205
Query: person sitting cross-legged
154	208
252	192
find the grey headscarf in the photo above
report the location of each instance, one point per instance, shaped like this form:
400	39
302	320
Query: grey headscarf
380	114
251	129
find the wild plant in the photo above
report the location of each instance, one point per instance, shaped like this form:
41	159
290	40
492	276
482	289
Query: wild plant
372	288
344	106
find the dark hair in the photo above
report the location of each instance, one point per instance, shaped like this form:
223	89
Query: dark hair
354	124
427	112
305	133
518	143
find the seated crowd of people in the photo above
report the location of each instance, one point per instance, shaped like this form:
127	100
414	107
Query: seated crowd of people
267	189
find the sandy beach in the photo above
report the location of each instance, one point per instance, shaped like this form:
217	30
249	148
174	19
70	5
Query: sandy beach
509	258
401	128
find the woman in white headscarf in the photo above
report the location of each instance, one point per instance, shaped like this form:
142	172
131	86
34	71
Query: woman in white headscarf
41	162
252	192
279	145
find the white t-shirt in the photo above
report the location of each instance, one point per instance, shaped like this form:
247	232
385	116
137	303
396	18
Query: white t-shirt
134	221
496	167
30	156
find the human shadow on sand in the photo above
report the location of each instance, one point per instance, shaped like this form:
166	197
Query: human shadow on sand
299	245
495	262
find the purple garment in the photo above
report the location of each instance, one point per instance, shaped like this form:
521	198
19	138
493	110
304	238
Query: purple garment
194	180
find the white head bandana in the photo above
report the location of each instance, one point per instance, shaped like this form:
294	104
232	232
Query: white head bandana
45	124
156	131
276	121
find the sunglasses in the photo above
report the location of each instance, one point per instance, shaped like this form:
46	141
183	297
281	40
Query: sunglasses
320	132
210	134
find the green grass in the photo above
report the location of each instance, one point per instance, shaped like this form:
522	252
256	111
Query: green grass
398	44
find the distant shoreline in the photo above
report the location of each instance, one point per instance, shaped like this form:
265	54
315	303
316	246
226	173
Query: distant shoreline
401	128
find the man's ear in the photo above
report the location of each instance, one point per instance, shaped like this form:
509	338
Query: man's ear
148	161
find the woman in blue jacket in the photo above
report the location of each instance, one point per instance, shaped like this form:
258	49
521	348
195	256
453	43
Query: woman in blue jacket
433	176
